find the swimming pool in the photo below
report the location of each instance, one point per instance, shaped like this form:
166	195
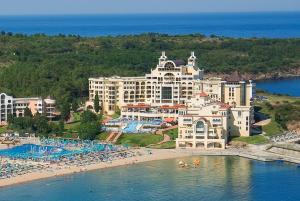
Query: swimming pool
33	151
134	126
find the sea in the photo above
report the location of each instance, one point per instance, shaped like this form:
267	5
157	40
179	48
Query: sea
238	25
217	178
287	86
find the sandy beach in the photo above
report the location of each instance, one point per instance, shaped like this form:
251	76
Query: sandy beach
143	156
55	171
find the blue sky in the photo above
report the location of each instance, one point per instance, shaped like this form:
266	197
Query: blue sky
12	7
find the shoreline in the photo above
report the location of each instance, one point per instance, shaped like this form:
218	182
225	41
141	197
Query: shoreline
253	153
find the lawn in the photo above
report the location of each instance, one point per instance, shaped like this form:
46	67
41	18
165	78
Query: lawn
141	140
275	99
72	126
172	133
3	129
103	136
256	139
166	145
76	116
273	127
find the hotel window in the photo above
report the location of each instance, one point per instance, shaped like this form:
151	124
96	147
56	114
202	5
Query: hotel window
166	93
239	113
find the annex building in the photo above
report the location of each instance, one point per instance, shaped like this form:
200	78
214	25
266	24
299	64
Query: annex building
171	92
16	107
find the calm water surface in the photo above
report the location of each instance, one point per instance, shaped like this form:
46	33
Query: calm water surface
272	25
290	86
218	178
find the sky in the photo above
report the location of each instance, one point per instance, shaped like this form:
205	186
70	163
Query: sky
33	7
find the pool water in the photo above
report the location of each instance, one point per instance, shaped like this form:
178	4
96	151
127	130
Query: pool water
132	126
33	151
217	178
50	152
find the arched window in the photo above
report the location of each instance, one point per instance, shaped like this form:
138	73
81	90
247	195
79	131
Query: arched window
200	128
169	65
169	77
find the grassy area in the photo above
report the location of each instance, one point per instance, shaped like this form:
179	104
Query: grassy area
166	145
267	108
103	136
275	99
141	140
273	127
172	133
76	116
116	115
3	129
72	126
256	139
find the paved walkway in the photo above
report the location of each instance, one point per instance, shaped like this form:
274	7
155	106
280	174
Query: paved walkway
262	123
167	138
161	131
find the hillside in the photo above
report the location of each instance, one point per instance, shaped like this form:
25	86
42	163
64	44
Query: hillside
60	65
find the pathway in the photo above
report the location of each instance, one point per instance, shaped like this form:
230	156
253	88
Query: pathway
262	123
167	138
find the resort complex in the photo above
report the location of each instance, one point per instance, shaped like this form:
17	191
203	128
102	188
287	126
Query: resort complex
16	107
207	110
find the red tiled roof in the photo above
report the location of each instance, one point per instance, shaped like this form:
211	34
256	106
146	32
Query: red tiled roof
203	94
169	119
172	106
139	105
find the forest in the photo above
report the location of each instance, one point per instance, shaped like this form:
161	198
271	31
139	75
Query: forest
40	65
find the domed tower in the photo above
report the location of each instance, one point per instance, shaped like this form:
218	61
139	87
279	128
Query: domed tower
162	58
192	59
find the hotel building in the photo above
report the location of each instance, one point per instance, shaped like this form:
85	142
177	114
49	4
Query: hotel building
170	92
170	83
17	106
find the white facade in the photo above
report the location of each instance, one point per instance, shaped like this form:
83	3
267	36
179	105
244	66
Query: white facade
207	123
171	87
170	83
17	106
6	105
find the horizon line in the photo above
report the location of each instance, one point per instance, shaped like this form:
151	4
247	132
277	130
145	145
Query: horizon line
150	13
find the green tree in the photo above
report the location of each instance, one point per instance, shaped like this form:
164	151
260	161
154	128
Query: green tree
65	111
61	126
96	103
75	106
88	116
27	112
41	125
89	131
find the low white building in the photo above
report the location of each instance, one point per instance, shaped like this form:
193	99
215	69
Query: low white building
6	105
17	106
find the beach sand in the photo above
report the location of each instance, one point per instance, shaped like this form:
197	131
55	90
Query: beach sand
157	154
54	171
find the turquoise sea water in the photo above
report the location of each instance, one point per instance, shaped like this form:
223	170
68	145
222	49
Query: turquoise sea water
289	86
271	25
218	178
